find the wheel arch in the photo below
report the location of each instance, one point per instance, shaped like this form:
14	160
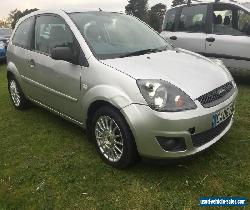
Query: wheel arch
95	105
10	74
103	95
100	103
12	71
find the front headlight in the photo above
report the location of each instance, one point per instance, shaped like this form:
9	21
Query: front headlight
165	97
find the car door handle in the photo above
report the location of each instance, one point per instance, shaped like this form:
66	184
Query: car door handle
32	63
210	39
173	37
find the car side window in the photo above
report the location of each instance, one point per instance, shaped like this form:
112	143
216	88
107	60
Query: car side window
23	35
230	20
169	21
50	32
244	22
193	19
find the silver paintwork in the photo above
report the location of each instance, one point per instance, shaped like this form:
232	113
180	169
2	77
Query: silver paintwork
69	90
177	67
48	89
56	112
147	124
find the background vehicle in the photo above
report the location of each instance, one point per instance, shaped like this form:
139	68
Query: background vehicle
131	92
247	4
5	34
216	29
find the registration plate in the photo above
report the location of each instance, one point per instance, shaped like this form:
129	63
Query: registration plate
222	115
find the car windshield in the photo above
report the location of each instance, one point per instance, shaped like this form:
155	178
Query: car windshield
113	35
5	32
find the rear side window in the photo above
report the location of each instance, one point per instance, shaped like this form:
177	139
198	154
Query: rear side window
23	35
169	21
193	19
230	20
50	32
244	22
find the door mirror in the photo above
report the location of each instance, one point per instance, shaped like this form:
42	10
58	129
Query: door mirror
63	53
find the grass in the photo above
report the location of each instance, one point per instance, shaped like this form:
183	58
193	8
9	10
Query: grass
48	163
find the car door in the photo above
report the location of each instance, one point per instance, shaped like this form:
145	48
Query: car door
229	39
20	52
188	31
169	24
59	81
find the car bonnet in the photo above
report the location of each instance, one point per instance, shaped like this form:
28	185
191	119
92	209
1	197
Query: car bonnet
191	72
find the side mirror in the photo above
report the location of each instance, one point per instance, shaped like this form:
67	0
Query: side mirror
63	53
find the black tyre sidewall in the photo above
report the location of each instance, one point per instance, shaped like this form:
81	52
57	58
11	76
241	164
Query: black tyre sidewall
130	154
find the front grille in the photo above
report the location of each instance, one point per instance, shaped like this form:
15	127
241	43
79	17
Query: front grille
207	136
217	95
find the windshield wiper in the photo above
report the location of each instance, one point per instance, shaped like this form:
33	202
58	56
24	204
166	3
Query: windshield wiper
142	52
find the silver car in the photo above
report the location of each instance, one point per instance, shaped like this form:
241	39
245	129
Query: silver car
114	76
215	29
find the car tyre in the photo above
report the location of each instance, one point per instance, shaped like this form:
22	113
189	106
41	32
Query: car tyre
113	139
17	96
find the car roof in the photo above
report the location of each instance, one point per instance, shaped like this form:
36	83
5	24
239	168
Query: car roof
68	11
211	2
62	12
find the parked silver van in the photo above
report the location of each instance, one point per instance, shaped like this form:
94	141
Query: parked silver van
112	74
219	29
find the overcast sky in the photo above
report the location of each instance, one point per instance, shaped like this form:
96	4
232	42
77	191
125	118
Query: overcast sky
116	5
7	5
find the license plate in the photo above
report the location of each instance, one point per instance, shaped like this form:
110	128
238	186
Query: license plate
222	115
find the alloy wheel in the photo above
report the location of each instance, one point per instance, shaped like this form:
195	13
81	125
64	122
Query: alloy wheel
109	138
15	94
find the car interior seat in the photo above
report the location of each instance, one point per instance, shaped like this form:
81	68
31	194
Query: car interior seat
227	21
214	19
58	37
94	33
219	19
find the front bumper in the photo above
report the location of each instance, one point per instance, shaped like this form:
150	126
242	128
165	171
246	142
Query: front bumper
147	124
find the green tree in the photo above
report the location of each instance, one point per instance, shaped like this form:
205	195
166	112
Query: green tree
4	23
16	14
138	8
177	2
156	15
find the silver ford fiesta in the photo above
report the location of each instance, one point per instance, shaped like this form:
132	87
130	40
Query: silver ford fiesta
112	74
